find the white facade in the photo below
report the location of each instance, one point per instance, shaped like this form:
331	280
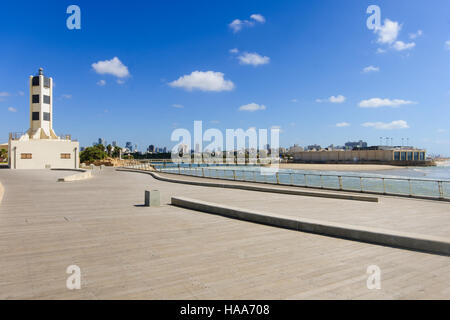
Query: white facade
41	154
40	147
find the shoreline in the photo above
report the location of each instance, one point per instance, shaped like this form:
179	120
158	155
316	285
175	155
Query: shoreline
339	167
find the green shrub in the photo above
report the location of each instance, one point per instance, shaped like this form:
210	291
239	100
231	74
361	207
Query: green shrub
90	154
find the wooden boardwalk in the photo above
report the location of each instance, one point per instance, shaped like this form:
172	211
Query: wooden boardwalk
128	251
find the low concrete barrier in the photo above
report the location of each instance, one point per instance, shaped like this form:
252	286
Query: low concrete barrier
78	176
261	189
405	240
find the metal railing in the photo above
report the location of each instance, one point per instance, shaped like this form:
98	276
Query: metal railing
410	187
15	135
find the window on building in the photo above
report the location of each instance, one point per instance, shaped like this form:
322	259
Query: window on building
416	156
422	156
25	156
35	81
35	116
397	156
65	155
403	158
35	98
46	99
410	156
47	116
47	82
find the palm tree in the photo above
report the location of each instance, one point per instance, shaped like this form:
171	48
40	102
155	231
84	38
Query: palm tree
109	149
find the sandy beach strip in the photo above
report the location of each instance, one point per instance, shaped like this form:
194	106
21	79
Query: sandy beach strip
339	167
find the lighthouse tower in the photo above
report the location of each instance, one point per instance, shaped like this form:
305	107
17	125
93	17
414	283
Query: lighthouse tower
40	147
41	107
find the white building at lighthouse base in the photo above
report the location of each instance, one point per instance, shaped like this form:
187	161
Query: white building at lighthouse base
43	153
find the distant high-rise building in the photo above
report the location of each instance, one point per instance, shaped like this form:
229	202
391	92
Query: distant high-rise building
151	148
313	147
114	144
129	145
356	144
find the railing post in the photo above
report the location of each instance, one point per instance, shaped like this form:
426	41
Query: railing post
291	179
384	186
234	175
441	190
179	169
203	172
254	176
278	178
306	180
321	181
340	182
410	187
360	184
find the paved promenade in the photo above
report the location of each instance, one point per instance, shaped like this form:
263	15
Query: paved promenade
129	251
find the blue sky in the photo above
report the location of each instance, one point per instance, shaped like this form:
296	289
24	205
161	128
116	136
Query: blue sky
300	64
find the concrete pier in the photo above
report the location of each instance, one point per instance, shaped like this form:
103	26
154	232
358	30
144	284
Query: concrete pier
175	253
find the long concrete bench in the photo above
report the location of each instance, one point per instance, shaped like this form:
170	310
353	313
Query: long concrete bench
259	188
81	175
412	241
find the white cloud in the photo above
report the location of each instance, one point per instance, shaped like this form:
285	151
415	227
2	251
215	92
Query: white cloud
120	81
11	109
21	93
258	17
178	106
342	124
415	35
252	107
66	96
4	94
371	69
204	81
337	99
253	59
236	25
397	124
447	44
234	50
294	100
400	45
101	83
114	67
378	102
388	32
333	99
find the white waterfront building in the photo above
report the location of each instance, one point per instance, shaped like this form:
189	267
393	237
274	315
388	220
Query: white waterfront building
40	147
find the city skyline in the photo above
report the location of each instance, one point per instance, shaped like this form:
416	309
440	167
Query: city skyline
313	70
